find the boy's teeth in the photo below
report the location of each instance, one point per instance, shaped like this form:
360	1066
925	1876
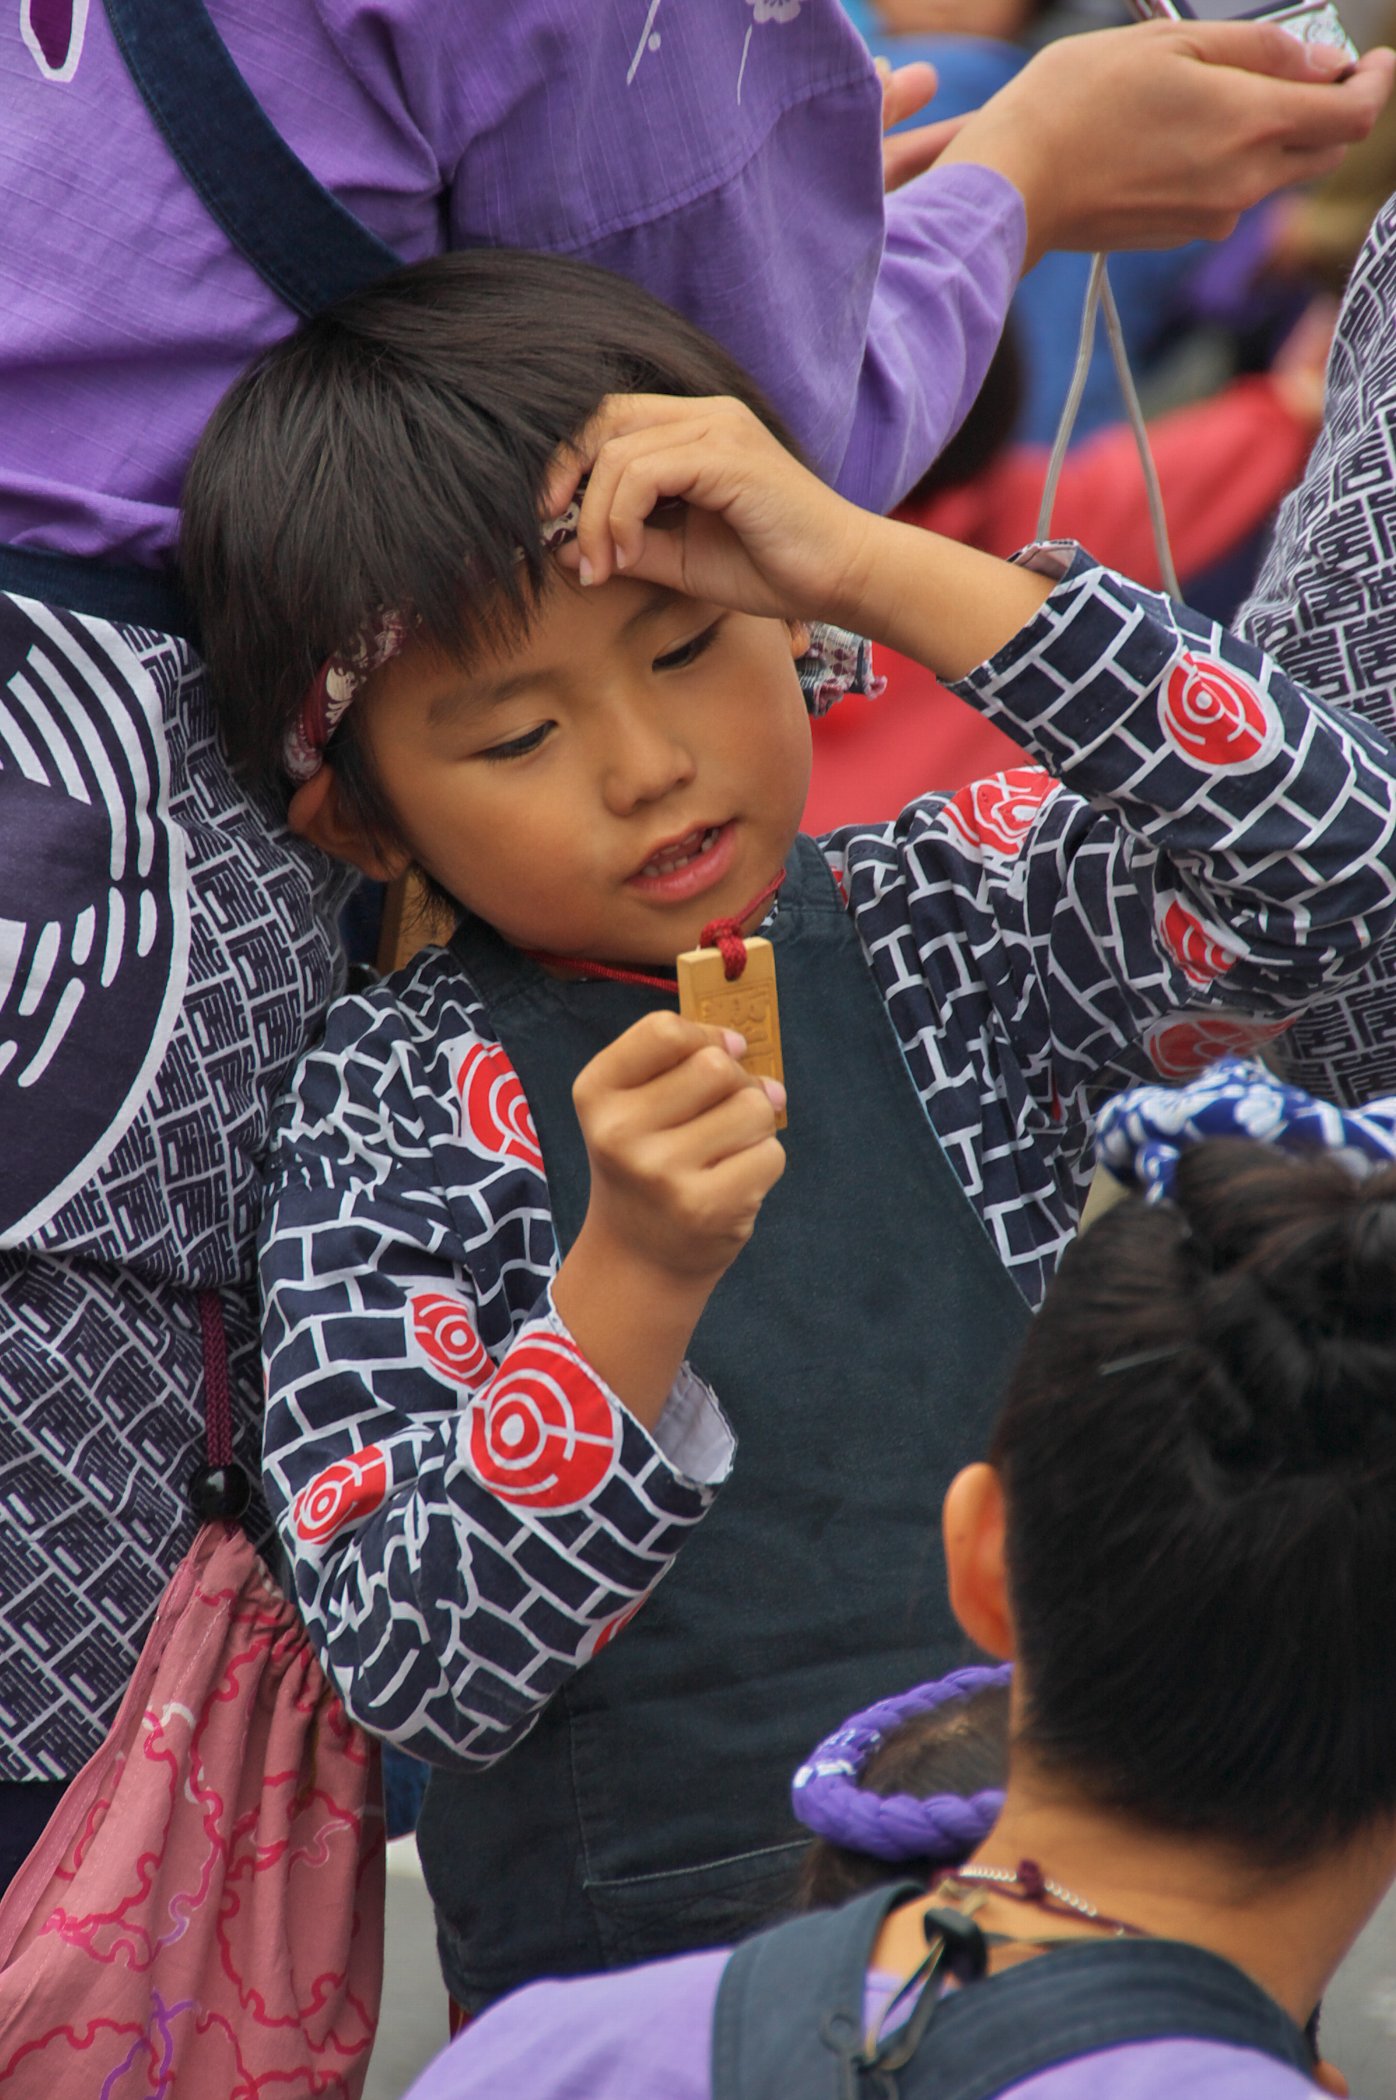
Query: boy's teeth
667	863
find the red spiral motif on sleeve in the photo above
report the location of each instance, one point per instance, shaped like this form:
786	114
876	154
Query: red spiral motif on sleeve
497	1115
1182	1045
543	1432
1187	940
607	1632
446	1335
996	815
1215	717
345	1493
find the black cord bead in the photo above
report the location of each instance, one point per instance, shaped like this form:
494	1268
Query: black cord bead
219	1491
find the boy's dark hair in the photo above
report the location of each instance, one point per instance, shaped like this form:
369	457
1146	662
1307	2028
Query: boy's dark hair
1198	1451
958	1748
392	454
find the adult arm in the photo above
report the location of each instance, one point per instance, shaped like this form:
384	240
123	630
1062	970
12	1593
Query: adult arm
1190	123
732	165
454	1561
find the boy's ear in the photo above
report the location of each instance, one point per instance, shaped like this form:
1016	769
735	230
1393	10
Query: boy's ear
799	637
317	813
973	1526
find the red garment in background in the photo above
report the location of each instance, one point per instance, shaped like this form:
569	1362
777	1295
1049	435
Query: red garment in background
1223	464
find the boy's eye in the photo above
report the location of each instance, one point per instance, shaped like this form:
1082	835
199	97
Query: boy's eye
517	746
688	652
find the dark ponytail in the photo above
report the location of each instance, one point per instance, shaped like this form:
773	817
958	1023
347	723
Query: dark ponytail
1198	1449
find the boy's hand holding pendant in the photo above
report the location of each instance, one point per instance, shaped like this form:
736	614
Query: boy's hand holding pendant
683	1151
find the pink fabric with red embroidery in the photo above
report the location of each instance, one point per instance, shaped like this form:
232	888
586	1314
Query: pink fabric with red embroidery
204	1915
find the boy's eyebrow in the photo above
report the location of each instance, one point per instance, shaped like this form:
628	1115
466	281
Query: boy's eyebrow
489	694
492	692
658	601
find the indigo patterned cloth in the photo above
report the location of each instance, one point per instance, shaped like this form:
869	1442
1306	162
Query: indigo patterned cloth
166	948
1141	1133
1325	608
1190	850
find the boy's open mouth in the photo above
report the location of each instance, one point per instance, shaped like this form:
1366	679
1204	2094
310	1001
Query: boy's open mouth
670	858
685	867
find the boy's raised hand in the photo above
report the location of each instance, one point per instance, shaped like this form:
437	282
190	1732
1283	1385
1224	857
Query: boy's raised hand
752	529
682	1147
758	532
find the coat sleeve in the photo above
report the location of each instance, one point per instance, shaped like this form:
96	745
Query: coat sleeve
468	1511
1194	849
1204	838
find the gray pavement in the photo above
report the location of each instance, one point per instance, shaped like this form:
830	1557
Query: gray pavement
1358	2028
412	2027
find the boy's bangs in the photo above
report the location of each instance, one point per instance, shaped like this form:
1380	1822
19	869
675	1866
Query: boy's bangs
391	458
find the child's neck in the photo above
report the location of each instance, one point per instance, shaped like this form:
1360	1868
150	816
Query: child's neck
1287	1931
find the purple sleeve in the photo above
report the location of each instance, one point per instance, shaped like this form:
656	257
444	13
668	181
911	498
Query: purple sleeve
954	248
727	157
1162	2070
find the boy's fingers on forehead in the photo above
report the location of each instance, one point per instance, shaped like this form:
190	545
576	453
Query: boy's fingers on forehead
620	414
565	477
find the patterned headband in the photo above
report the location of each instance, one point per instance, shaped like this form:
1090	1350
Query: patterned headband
835	663
826	1796
1140	1135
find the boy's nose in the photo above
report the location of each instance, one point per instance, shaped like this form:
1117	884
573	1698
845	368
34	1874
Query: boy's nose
645	763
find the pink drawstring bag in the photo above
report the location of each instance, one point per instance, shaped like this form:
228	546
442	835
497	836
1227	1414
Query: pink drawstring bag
203	1916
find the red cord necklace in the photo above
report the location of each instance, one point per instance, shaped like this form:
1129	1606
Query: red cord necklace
723	934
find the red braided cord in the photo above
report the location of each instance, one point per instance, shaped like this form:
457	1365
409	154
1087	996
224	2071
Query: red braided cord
218	1405
726	934
723	934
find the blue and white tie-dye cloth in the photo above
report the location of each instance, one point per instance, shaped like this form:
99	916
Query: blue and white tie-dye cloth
1142	1132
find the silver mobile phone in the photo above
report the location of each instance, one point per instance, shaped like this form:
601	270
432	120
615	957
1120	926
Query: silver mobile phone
1312	21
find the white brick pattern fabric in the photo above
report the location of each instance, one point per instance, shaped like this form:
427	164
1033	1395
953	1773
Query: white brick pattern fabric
468	1512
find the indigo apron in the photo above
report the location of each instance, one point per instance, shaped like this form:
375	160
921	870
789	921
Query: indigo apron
858	1345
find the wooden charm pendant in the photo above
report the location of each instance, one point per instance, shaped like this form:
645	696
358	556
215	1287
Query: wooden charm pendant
746	1003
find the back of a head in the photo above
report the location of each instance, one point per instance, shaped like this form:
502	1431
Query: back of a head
1198	1450
392	453
958	1748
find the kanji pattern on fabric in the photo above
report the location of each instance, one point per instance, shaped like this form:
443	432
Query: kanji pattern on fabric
469	1512
165	947
1325	607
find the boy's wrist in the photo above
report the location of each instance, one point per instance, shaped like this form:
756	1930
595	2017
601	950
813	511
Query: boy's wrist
630	1315
946	606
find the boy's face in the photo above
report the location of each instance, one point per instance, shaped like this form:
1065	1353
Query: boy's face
635	768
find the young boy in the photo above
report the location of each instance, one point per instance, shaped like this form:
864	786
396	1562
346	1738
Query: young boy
496	1320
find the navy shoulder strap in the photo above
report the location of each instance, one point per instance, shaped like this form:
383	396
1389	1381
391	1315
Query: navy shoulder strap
299	239
789	2013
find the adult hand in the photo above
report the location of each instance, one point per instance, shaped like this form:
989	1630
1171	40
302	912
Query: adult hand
905	90
1167	131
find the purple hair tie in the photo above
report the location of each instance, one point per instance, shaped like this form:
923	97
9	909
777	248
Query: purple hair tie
828	1799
